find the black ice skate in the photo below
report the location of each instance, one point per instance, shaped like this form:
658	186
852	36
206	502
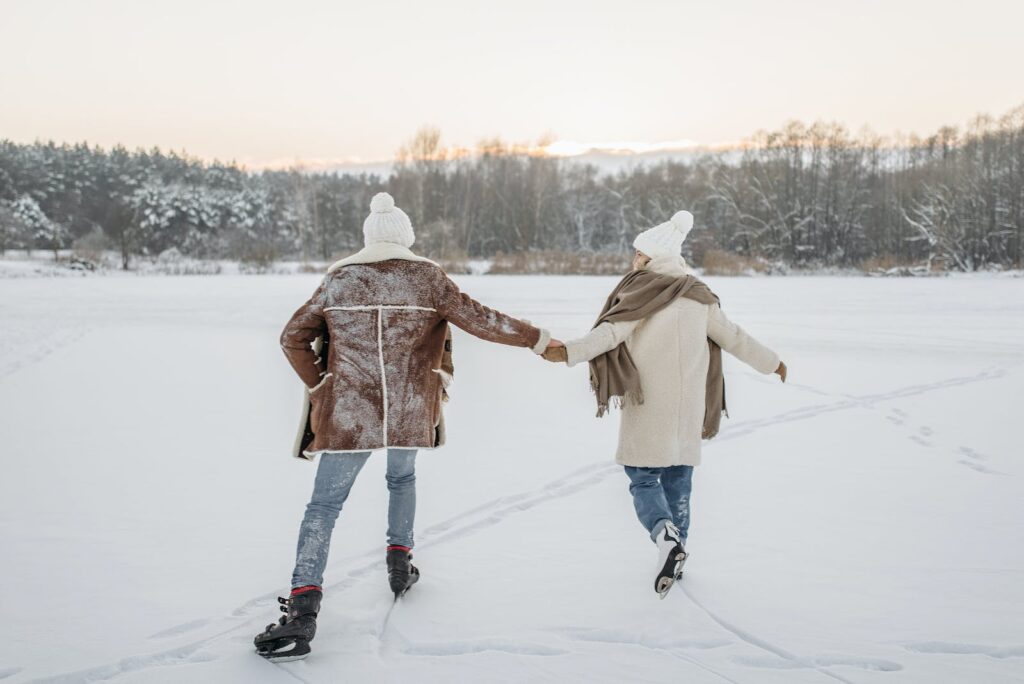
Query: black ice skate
671	557
402	574
289	638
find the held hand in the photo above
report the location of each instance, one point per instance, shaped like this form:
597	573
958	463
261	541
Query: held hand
556	354
781	371
552	343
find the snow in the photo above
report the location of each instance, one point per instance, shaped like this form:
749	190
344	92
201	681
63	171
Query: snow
860	523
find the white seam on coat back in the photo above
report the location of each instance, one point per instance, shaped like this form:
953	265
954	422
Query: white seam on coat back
378	307
383	372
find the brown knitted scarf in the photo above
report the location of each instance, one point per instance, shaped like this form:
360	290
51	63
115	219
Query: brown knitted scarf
613	375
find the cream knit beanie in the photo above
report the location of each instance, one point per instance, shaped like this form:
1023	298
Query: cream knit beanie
387	223
665	239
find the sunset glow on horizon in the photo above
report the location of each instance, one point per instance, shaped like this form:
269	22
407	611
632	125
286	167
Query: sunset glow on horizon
321	83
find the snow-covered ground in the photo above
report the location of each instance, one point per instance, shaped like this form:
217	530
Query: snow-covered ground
861	523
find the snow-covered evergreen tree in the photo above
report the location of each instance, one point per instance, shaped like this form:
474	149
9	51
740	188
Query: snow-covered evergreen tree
39	228
804	195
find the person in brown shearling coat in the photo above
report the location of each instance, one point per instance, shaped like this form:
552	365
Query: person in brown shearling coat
369	346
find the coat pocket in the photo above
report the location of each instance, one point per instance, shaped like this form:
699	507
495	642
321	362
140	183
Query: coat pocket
318	397
441	382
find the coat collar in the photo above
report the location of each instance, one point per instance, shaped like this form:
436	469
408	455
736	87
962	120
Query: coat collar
378	251
673	265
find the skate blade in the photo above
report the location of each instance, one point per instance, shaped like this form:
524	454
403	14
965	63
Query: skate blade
283	653
679	567
285	659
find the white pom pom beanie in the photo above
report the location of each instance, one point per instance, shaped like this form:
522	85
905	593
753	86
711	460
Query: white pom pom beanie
387	223
665	239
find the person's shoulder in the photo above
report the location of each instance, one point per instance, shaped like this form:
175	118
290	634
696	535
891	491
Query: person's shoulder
425	268
691	310
426	272
426	265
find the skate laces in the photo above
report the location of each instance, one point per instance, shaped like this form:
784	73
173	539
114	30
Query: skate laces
285	605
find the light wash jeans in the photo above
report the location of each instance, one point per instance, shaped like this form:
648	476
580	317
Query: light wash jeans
660	495
334	478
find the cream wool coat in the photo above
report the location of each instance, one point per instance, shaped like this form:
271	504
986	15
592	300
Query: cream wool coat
670	350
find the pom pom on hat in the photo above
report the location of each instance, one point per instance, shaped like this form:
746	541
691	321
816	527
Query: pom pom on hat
387	223
683	222
382	202
665	239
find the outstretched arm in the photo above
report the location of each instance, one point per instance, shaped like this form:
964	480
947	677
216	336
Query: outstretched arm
735	340
601	339
305	325
488	324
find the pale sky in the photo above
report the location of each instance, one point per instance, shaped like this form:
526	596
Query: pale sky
262	82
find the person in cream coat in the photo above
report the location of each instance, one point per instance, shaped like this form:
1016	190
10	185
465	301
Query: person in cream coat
660	434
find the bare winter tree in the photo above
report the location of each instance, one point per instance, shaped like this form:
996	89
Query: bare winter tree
804	196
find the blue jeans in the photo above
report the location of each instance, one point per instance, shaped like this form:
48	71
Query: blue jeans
334	478
660	495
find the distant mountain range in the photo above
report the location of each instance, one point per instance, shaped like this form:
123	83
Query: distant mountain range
610	160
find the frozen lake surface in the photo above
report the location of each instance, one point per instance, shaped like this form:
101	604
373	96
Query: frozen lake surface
861	523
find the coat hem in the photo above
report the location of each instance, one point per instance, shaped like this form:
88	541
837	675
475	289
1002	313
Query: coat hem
661	464
310	455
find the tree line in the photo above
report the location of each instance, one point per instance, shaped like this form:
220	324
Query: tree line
804	196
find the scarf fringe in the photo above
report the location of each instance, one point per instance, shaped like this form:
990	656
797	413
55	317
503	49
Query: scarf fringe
617	401
614	377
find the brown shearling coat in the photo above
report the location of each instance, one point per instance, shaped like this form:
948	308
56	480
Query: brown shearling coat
386	321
